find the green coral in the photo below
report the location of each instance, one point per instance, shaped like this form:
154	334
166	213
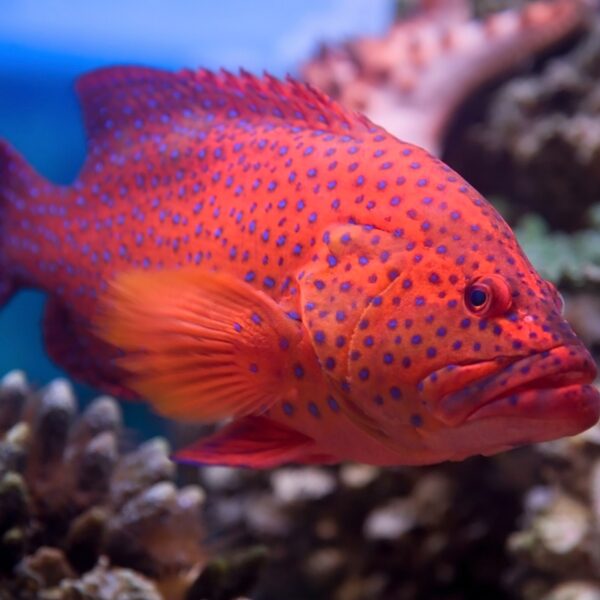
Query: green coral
563	258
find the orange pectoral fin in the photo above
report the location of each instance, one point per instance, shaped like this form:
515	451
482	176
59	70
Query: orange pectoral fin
256	442
199	345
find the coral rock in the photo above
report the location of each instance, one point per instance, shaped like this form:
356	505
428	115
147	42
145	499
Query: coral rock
413	79
69	499
539	142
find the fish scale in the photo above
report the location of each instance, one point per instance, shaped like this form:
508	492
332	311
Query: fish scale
242	247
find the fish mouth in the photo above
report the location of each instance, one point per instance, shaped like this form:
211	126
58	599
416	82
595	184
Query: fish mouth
549	385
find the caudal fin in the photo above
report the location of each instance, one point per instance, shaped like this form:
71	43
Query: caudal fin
20	185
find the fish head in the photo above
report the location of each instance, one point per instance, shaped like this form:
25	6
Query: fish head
466	351
515	374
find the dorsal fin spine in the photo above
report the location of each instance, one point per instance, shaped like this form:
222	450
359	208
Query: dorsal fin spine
117	98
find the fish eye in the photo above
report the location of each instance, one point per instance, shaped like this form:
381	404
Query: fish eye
488	296
477	297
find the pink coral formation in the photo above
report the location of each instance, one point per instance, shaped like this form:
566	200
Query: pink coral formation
413	79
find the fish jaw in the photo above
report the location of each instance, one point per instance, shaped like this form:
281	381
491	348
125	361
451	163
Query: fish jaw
552	386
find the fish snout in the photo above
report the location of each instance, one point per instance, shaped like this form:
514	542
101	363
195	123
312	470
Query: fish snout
551	384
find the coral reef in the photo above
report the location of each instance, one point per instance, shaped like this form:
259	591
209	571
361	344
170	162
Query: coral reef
81	519
539	143
414	79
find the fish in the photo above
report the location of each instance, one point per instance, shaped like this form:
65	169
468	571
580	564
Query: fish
244	251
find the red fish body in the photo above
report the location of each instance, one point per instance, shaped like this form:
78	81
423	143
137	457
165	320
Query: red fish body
244	248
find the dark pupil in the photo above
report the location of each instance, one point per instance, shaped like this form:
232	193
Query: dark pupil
478	297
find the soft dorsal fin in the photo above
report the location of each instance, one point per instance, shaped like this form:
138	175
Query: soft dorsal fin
119	102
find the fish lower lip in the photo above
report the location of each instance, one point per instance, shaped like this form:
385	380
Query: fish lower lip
576	406
550	371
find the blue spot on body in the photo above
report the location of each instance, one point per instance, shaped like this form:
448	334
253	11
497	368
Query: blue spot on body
416	420
333	404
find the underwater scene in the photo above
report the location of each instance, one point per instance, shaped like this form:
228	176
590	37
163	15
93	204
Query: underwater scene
300	300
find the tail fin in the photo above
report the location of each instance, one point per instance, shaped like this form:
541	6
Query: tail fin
20	185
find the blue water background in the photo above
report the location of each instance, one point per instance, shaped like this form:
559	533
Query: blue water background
46	44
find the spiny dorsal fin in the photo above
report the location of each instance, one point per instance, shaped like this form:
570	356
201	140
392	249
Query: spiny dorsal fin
118	101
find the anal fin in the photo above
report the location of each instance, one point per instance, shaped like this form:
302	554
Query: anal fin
256	442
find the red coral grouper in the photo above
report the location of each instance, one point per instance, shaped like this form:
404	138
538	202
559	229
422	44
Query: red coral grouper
245	248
